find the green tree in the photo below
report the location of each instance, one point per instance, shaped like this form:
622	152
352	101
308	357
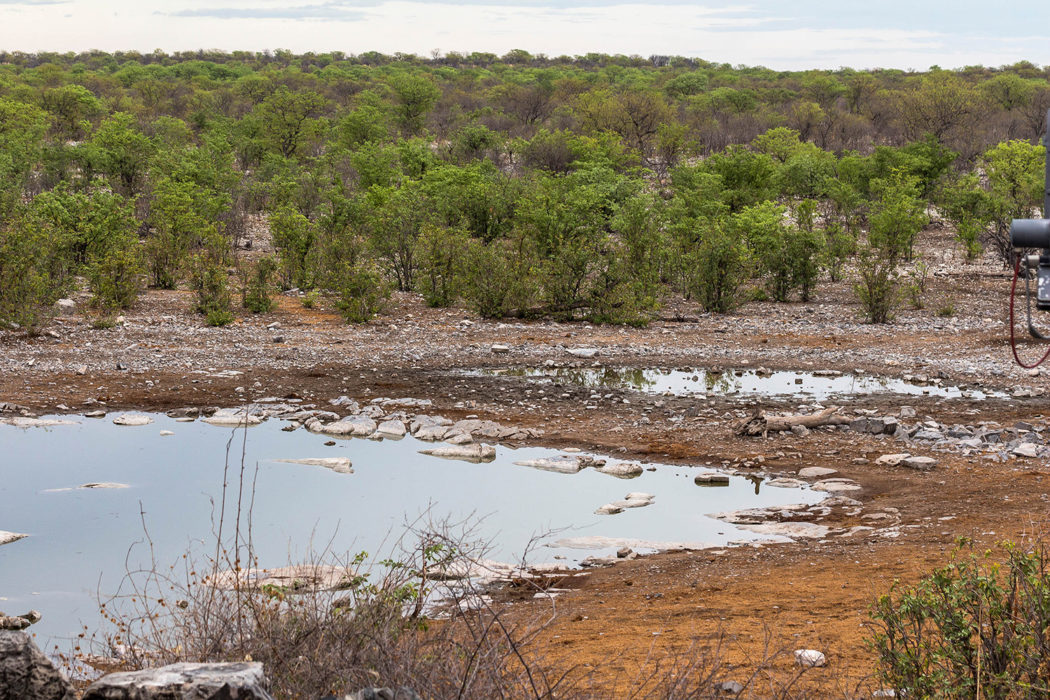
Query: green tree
289	119
415	95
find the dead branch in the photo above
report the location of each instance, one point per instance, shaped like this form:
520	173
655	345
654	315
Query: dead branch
760	423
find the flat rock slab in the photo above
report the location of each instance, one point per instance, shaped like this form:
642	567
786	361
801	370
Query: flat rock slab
103	485
921	463
26	674
340	465
600	542
233	420
585	353
622	470
242	681
360	426
711	479
801	530
391	429
816	472
893	460
132	419
784	483
470	453
836	486
23	422
9	537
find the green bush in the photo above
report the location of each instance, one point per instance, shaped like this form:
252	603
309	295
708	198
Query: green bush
115	277
500	279
257	285
974	628
33	273
211	283
720	264
878	288
442	256
362	292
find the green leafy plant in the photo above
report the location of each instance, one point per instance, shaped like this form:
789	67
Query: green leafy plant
976	627
257	285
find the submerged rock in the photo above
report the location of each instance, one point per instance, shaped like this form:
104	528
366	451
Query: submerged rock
9	537
470	453
233	418
241	680
711	479
27	422
791	530
340	465
103	485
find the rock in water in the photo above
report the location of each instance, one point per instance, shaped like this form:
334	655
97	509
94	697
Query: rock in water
340	465
132	419
9	537
242	681
26	673
478	452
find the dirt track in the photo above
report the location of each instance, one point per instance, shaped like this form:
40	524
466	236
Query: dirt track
812	594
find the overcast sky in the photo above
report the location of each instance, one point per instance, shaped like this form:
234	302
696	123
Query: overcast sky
774	33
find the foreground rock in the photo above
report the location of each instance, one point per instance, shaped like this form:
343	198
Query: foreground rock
226	681
19	622
26	674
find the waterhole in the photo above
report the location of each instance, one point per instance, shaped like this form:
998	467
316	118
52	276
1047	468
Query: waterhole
166	479
816	386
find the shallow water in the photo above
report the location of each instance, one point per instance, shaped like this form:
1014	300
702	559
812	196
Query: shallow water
79	539
740	383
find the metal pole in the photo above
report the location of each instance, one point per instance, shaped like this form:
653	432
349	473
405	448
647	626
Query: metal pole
1046	177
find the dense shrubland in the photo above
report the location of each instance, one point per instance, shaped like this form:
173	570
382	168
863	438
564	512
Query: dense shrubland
575	188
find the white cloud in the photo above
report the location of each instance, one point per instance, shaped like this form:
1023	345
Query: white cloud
731	34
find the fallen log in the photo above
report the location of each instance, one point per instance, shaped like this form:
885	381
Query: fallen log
762	424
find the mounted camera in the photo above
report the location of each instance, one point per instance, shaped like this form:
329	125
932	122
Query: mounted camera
1035	233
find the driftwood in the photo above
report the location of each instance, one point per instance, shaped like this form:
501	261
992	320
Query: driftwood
762	424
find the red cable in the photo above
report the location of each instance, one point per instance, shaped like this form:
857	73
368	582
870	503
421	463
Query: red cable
1013	338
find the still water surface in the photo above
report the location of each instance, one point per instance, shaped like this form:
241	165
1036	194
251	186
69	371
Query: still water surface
79	539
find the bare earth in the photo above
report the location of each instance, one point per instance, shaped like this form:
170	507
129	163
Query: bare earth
812	594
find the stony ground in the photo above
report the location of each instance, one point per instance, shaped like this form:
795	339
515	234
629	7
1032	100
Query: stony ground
814	593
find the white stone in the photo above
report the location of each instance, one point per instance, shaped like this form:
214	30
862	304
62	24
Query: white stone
815	472
836	485
892	460
470	453
800	529
810	658
711	478
391	428
1026	449
166	433
623	470
132	419
500	349
103	485
609	509
783	483
585	353
920	463
9	537
23	422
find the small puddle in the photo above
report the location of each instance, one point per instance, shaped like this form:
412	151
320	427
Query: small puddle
817	386
80	492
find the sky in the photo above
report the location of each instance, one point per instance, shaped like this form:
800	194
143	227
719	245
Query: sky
796	35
